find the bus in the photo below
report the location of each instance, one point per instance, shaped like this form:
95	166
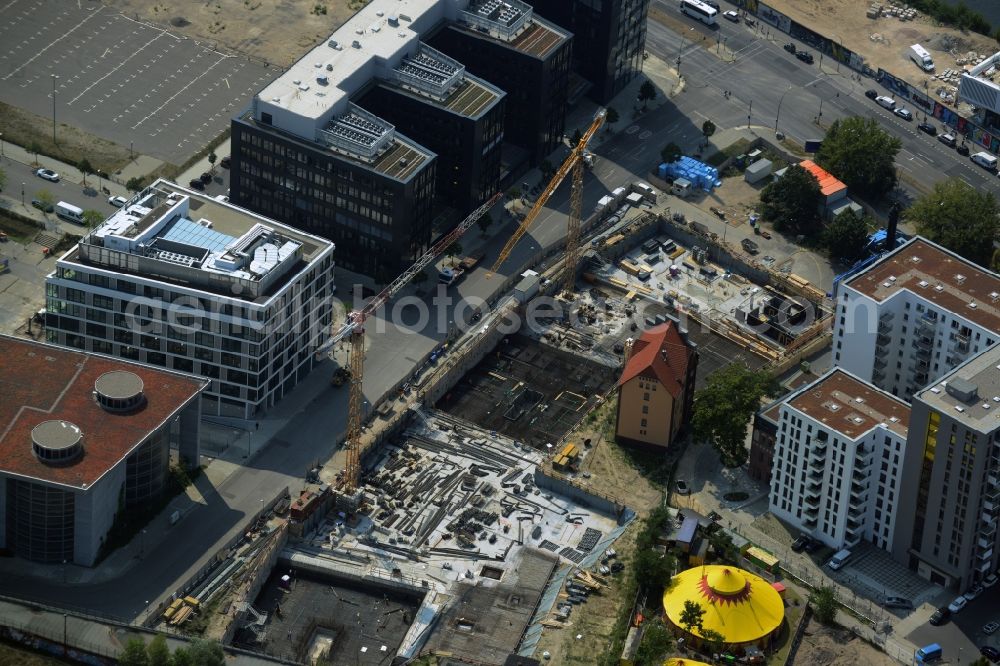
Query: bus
702	11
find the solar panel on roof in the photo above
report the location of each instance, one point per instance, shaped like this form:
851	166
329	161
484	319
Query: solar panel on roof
192	233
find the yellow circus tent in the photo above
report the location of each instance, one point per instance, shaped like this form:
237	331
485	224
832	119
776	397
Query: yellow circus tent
739	605
680	661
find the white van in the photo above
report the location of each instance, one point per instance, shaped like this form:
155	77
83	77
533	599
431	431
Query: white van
887	102
839	560
68	211
921	58
985	160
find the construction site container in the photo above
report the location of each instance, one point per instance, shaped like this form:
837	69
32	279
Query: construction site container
757	171
762	558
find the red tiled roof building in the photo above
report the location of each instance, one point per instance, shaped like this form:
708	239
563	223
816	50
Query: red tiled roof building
656	389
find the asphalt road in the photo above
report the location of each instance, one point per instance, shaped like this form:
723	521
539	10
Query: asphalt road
21	178
775	89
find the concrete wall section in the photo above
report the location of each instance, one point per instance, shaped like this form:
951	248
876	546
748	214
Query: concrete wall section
96	509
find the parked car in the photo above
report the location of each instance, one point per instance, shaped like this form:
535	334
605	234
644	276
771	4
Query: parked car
947	139
963	149
991	653
813	546
789	47
805	57
800	544
898	602
886	102
48	174
224	162
44	207
871	93
682	488
973	592
196	184
927	128
206	178
903	113
940	616
990	581
990	628
117	201
731	16
958	604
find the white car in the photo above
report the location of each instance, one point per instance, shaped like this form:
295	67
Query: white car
990	581
958	604
732	16
991	628
974	592
48	174
117	201
905	114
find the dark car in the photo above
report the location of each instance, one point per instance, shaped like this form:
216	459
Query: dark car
940	616
991	653
871	94
224	162
789	47
800	544
813	545
927	128
963	150
714	5
898	602
805	57
42	206
206	178
197	184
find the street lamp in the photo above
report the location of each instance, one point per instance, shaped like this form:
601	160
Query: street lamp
1	145
22	194
54	77
778	114
142	544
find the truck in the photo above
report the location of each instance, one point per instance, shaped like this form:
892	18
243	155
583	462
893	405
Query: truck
985	160
448	276
921	58
68	211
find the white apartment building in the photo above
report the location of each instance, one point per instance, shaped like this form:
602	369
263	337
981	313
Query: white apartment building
914	315
837	460
180	280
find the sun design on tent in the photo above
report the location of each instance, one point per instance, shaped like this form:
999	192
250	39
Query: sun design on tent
724	586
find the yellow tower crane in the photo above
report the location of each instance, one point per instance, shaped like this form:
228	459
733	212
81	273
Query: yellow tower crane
574	163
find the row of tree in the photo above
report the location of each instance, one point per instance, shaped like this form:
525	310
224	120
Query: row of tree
156	653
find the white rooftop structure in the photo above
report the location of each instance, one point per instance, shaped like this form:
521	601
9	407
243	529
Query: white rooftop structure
978	86
311	99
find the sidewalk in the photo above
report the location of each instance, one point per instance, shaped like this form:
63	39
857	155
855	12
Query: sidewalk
203	165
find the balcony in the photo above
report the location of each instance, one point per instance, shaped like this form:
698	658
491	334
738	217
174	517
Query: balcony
880	363
985	555
883	338
812	499
853	522
884	327
816	475
815	485
961	344
858	487
810	522
819	449
859	474
817	462
811	511
878	375
925	343
926	324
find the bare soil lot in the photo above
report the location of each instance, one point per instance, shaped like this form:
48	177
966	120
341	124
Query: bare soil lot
836	646
276	32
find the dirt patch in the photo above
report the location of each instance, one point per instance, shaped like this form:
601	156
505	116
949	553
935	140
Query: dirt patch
16	656
835	646
276	33
612	472
25	128
883	41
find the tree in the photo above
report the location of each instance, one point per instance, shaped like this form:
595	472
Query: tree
824	603
206	653
611	117
656	641
707	129
647	93
792	201
714	639
723	546
134	653
181	657
960	217
86	168
92	218
846	236
692	616
576	138
861	154
995	264
46	198
35	148
134	184
654	569
454	249
3	178
671	153
485	222
722	409
211	158
157	652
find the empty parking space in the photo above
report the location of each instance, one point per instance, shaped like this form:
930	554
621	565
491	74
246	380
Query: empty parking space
121	79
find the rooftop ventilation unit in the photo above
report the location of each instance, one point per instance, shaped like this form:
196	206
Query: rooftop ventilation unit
356	44
393	20
962	389
322	80
57	442
119	391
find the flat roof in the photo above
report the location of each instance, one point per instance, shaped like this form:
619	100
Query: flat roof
42	382
982	371
935	275
850	406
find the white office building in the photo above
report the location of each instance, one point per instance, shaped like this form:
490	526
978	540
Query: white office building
913	316
180	280
837	459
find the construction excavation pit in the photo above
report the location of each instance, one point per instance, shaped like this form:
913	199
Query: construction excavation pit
530	390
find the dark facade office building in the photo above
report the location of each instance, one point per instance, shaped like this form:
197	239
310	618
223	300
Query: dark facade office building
456	115
510	46
609	38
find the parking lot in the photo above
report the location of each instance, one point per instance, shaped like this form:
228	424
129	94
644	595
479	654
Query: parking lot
120	79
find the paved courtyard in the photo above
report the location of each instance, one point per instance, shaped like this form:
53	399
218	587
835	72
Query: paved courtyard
121	79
